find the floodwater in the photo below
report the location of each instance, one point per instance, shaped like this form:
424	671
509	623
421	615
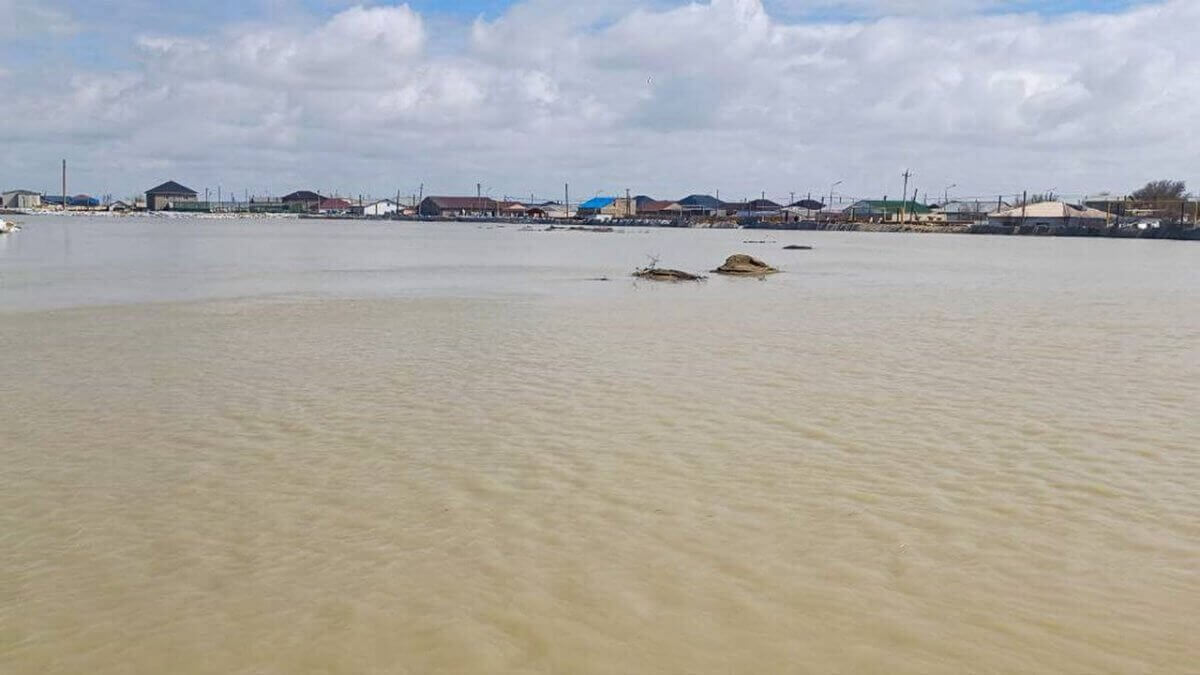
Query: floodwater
299	447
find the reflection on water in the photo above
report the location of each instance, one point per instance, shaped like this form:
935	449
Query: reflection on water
441	449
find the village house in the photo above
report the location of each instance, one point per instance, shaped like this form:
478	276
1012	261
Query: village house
967	211
334	205
885	210
553	210
512	210
612	207
382	207
700	206
1051	215
165	196
806	209
21	199
302	201
458	207
653	208
751	209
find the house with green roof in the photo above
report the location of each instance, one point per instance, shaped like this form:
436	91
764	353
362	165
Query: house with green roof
889	209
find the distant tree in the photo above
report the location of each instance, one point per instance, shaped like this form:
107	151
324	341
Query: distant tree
1160	190
1041	197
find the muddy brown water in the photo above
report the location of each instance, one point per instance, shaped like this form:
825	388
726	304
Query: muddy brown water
281	447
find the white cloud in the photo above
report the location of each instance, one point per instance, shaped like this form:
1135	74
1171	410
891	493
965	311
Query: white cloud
668	101
32	18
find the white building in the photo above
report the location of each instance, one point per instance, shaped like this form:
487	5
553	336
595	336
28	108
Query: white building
21	199
383	207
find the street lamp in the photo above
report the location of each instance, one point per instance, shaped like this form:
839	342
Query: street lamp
946	194
831	192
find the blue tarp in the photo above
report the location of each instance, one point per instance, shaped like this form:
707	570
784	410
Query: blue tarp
77	200
597	203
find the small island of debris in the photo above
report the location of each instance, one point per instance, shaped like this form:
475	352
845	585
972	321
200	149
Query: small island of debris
660	274
744	266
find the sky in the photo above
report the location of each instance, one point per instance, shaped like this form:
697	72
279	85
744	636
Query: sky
977	98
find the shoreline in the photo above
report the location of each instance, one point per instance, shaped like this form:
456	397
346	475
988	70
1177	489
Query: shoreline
1170	232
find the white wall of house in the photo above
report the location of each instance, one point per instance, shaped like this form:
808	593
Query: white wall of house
380	208
20	200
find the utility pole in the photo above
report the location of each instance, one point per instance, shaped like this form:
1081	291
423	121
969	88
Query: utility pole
64	184
479	197
1024	203
904	204
566	200
628	204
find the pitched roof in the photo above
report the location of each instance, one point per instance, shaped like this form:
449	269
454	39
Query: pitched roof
764	205
598	203
892	205
22	192
654	206
302	196
463	203
334	203
171	188
703	201
1052	210
807	204
963	206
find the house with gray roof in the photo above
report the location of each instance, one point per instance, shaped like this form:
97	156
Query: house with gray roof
165	196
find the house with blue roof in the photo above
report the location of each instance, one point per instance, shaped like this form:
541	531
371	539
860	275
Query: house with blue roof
614	207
